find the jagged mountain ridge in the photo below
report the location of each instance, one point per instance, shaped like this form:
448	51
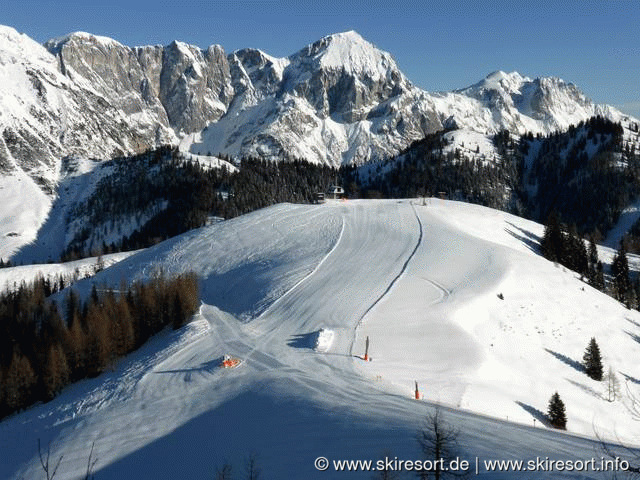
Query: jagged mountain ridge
341	100
48	115
338	100
183	86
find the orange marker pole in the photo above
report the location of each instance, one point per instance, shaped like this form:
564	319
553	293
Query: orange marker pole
366	350
417	391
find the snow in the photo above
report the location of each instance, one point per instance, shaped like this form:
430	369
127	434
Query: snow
350	50
422	282
511	82
70	271
208	161
18	225
324	340
52	232
628	217
17	45
105	42
471	144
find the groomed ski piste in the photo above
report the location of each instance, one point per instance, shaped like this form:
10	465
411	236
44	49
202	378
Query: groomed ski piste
293	291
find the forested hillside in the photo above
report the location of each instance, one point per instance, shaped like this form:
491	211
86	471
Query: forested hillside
42	351
586	174
164	195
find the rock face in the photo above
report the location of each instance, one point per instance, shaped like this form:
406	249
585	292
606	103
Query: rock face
194	86
49	111
338	100
344	76
177	86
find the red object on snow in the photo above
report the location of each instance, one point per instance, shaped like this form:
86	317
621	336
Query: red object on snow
417	392
230	362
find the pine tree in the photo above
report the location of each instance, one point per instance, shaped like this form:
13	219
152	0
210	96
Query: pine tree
599	277
122	324
556	412
593	262
592	360
19	380
552	244
71	306
3	407
582	260
76	346
574	255
56	374
620	272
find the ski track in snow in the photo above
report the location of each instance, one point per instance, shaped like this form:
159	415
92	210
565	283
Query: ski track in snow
444	291
393	282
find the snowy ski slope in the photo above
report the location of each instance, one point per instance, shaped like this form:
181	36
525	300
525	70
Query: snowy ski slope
421	280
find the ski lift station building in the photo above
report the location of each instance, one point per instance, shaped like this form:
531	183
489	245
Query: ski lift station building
335	192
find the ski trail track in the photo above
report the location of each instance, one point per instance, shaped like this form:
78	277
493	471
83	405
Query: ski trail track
393	282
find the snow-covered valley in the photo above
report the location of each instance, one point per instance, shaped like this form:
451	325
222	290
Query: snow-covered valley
421	279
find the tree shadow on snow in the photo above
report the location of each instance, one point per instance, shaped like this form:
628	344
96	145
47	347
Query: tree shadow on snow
635	337
535	413
531	240
585	388
631	379
633	322
569	361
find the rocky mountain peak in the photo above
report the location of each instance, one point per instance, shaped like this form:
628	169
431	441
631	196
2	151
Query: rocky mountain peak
350	52
343	76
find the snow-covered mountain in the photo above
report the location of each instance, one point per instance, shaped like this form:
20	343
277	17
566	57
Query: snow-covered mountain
338	100
520	104
342	100
49	111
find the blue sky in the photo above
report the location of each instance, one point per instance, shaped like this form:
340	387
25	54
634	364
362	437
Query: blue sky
438	45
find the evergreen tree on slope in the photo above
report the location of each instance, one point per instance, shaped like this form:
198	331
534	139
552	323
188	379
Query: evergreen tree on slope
556	412
592	360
